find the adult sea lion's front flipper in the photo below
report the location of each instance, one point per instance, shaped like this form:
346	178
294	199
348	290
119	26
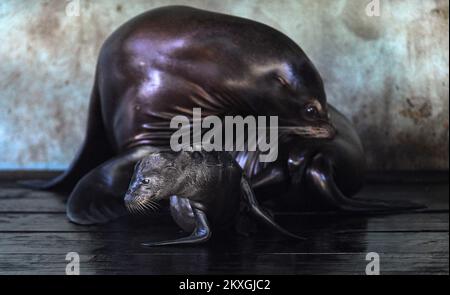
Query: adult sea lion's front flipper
99	195
319	176
201	233
256	210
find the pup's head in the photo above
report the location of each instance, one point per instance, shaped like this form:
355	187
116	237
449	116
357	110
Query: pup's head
161	175
153	180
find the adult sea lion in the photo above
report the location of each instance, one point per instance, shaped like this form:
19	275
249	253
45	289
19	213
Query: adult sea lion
168	61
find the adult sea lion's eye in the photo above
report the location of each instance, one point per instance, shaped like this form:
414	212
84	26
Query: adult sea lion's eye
311	112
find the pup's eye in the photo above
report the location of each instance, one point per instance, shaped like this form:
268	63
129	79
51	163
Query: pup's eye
145	181
311	112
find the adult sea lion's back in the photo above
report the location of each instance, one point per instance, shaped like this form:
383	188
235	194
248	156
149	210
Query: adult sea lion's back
167	61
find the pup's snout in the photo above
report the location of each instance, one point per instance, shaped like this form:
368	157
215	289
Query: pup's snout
129	197
137	203
130	201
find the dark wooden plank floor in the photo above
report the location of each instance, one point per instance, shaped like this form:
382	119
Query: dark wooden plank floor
35	237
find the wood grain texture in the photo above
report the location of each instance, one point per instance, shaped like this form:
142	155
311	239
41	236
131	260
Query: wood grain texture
35	237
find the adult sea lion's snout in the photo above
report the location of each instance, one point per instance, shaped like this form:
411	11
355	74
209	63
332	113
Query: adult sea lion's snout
320	130
310	120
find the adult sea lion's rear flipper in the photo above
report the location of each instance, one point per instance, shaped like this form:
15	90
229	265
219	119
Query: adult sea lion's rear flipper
319	176
201	233
255	209
94	151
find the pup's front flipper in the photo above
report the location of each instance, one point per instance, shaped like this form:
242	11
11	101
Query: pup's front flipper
201	233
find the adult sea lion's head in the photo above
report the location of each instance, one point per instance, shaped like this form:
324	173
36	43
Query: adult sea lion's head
301	101
290	88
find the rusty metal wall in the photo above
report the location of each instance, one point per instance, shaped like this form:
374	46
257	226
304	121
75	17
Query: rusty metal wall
388	72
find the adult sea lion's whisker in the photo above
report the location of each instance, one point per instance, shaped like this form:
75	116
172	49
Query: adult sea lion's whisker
307	131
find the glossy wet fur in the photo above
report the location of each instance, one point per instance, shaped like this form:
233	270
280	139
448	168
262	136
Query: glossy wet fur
178	58
167	61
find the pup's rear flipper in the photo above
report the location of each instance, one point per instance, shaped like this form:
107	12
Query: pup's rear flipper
201	233
319	176
255	209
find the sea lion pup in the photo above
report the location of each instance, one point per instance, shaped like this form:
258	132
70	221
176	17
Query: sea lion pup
205	191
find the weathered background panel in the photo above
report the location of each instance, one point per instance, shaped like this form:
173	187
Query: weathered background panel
388	73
